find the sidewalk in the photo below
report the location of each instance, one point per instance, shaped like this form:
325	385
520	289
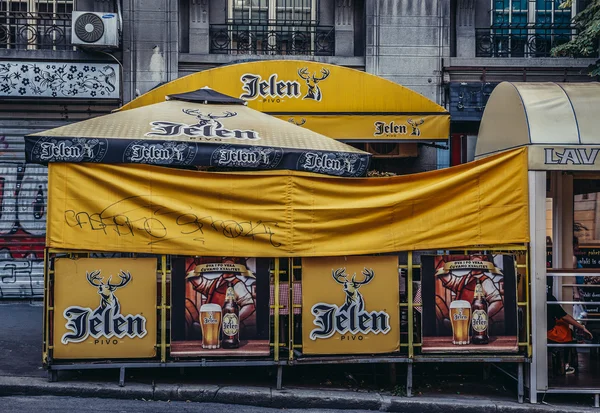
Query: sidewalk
21	374
267	397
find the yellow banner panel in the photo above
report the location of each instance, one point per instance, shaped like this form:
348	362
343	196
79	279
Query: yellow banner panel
297	86
350	305
375	127
104	308
141	208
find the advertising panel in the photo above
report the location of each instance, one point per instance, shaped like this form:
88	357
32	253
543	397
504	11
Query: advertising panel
220	307
104	308
350	305
374	127
469	303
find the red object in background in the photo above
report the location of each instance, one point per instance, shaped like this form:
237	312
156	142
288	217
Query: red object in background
21	245
458	149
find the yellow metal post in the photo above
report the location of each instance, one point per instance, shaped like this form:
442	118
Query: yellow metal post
163	309
409	280
291	308
276	310
46	323
528	301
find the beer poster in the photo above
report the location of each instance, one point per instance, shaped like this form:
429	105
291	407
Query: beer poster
469	303
350	305
104	308
220	307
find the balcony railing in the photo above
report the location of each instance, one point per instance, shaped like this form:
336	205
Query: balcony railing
23	30
272	39
521	40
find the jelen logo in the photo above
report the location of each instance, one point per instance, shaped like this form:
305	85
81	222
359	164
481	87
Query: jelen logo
69	150
333	163
161	153
254	86
383	128
207	126
255	157
351	317
106	320
274	89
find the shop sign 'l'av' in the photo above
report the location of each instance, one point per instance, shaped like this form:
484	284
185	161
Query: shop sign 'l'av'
104	308
350	305
575	158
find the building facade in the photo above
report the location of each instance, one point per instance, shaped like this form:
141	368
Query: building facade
451	51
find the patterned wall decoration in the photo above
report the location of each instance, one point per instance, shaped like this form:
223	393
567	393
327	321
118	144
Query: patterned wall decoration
59	80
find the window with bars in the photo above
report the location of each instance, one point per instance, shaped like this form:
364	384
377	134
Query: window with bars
272	27
525	28
35	24
293	12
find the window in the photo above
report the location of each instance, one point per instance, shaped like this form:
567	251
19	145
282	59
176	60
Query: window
523	28
272	27
35	24
295	12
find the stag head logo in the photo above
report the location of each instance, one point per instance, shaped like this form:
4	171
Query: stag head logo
312	81
415	126
351	286
107	290
297	123
209	118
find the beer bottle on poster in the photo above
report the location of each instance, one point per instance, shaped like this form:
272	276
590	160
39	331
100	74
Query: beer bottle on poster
479	320
231	320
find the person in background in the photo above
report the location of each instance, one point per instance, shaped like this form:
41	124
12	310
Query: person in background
559	331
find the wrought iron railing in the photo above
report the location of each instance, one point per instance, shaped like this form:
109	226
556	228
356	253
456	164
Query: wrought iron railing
521	40
272	39
24	30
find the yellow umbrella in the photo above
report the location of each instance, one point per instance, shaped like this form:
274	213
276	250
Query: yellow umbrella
201	128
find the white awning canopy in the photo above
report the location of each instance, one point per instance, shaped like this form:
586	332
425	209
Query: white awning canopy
560	123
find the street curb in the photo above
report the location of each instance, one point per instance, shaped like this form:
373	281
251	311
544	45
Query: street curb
35	386
290	398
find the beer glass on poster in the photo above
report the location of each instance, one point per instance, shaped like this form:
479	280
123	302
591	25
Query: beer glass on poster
430	326
178	284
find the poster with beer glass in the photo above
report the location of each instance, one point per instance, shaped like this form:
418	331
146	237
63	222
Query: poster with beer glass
469	303
220	307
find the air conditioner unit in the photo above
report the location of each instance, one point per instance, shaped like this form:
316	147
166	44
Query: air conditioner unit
95	29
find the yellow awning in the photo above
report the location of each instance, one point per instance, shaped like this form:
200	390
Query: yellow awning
149	209
335	101
559	122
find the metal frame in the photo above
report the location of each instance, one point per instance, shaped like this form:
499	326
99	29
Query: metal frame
408	354
573	390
